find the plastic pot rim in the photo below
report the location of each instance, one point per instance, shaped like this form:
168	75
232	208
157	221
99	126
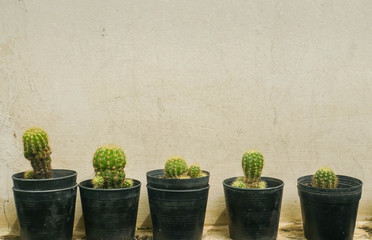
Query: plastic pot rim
73	173
152	172
44	191
302	183
180	190
279	186
136	184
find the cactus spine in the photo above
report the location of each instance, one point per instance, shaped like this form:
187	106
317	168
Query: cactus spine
325	178
109	162
175	167
37	150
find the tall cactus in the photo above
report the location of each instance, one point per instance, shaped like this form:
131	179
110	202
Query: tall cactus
37	150
109	162
252	163
325	178
175	167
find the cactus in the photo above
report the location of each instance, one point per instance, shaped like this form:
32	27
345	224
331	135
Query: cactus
98	181
239	183
194	171
37	150
175	167
109	162
29	174
325	178
252	163
128	183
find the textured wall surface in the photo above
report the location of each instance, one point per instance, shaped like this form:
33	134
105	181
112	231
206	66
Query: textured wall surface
206	80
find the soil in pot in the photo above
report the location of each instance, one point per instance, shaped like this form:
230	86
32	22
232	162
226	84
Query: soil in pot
253	214
329	214
109	214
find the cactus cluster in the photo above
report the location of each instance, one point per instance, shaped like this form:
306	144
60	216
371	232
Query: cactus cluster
252	164
176	167
324	178
109	162
37	151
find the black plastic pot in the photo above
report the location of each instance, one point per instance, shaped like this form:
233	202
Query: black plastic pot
47	214
62	178
253	213
177	206
155	179
109	214
177	214
329	214
46	207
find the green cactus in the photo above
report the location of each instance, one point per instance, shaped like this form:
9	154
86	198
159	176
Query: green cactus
239	183
325	178
29	174
98	181
128	183
194	171
175	167
109	162
252	163
37	150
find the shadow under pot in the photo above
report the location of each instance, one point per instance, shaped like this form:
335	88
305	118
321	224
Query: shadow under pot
109	214
177	206
46	207
329	214
253	213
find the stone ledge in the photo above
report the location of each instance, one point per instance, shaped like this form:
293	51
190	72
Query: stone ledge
287	231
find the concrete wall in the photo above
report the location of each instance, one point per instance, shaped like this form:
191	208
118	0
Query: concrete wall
206	80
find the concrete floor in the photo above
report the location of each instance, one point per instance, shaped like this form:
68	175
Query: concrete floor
287	231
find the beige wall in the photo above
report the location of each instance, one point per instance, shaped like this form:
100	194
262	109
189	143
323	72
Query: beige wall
203	79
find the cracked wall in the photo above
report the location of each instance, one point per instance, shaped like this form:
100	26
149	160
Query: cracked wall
207	80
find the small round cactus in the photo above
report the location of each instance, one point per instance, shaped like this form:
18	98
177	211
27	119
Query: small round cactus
37	150
128	183
29	174
109	162
325	178
252	163
98	181
194	171
175	167
239	183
